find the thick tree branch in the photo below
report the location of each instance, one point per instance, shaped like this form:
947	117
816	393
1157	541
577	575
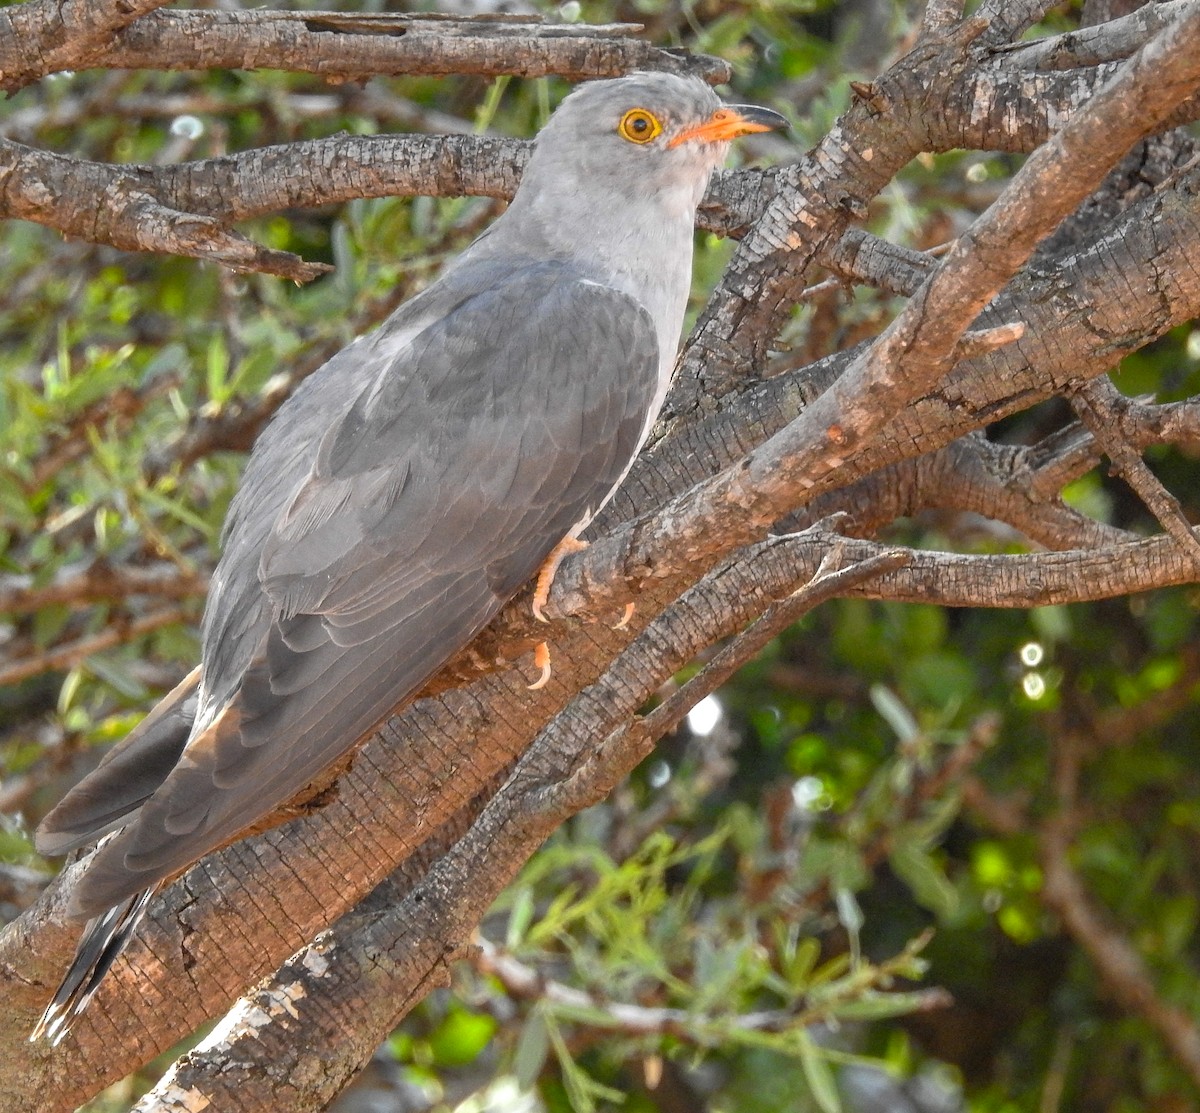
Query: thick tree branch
563	769
347	47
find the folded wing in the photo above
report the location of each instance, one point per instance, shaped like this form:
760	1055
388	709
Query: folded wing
449	473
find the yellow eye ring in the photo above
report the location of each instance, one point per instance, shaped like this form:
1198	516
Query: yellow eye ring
639	126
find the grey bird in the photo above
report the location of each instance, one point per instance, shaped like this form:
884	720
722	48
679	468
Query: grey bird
406	491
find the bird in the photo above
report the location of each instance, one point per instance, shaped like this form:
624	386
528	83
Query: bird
407	490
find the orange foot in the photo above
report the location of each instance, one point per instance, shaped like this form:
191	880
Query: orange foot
545	579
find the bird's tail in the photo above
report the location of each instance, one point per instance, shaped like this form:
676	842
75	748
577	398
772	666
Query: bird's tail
104	937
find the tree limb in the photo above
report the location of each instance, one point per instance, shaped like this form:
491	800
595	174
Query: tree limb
347	47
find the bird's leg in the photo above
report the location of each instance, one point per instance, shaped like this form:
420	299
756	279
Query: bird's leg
545	577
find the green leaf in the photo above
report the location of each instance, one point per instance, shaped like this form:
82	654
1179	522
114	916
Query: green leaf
519	918
216	369
894	713
461	1036
817	1073
882	1006
917	869
532	1049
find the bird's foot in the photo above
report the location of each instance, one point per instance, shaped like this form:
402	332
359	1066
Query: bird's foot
545	577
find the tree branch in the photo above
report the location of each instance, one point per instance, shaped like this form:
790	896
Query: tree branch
66	656
348	47
1092	46
99	580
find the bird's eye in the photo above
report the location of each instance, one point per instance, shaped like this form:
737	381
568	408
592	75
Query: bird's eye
639	126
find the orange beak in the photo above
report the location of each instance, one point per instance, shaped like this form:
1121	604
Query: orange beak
728	122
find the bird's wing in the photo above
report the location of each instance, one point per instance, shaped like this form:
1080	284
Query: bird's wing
439	491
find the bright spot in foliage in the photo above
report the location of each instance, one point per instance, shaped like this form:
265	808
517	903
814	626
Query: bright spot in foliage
658	774
1032	654
187	127
704	717
808	794
1033	685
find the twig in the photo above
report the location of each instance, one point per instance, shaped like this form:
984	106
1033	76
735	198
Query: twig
979	342
524	982
830	580
97	580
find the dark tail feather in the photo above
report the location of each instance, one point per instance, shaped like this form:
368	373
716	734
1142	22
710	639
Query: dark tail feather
126	777
103	939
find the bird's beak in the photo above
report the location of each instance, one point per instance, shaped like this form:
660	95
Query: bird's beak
728	122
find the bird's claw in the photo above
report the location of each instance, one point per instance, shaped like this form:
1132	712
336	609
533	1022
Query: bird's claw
541	658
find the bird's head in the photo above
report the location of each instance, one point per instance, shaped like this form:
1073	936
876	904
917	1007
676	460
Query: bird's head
649	134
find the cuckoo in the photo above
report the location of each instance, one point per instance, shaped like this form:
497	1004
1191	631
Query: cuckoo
408	489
